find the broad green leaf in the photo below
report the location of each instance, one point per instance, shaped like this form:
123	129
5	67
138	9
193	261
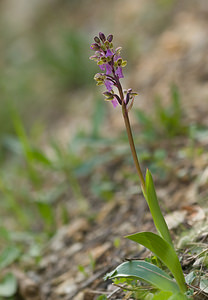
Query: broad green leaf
179	296
164	251
8	256
8	285
162	296
166	296
151	198
145	271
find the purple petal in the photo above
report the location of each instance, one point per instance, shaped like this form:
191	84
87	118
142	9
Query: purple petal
119	72
117	57
108	69
102	67
109	53
114	102
108	85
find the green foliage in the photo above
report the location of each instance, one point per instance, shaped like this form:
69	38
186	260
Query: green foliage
11	203
167	122
147	272
103	188
151	198
8	285
190	277
66	60
161	245
98	117
165	296
47	213
204	284
164	251
82	270
24	179
27	150
101	297
171	119
148	125
29	195
8	256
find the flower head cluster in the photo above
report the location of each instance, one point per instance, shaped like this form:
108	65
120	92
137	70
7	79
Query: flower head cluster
111	64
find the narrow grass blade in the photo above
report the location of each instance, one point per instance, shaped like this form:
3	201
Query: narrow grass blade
164	251
151	198
145	271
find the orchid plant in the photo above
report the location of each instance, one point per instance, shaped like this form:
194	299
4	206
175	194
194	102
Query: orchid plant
111	72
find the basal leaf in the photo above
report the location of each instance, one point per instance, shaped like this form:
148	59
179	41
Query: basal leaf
151	198
179	296
166	296
162	296
145	271
164	251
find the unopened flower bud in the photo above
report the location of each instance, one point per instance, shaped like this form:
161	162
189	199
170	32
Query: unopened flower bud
103	59
119	61
109	96
110	38
99	77
96	39
106	44
134	94
127	98
102	37
94	57
124	63
95	47
118	50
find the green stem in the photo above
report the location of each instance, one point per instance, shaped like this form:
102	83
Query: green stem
130	136
132	145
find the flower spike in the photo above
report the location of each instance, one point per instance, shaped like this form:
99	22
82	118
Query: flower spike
111	65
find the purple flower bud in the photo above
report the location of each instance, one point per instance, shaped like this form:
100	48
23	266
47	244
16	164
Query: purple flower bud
110	38
102	37
95	47
96	39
